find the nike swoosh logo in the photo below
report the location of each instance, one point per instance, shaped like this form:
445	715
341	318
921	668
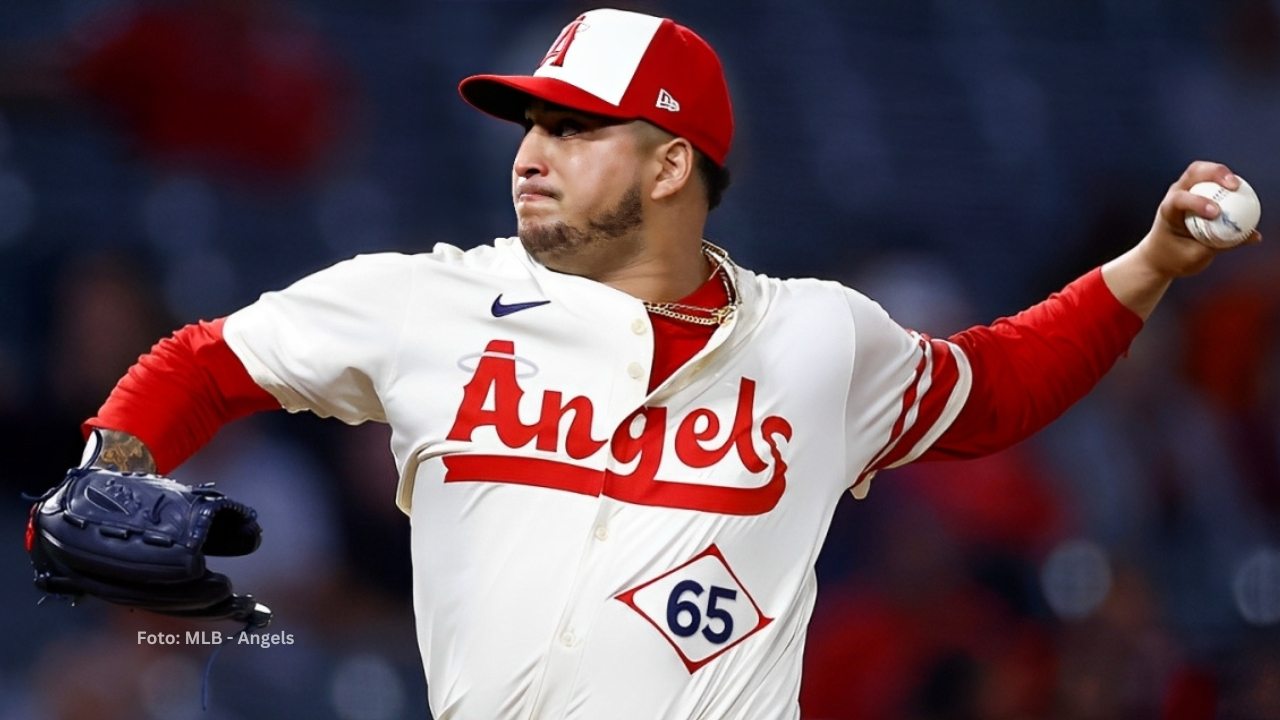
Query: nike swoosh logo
500	310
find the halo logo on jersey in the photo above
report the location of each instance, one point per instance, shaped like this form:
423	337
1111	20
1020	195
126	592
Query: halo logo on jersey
700	440
700	607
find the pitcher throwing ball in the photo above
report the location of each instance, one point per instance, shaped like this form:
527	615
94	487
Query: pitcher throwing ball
619	449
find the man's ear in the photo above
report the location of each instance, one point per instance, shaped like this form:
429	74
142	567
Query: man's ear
676	163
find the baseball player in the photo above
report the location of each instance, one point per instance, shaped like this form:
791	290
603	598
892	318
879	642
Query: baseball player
621	451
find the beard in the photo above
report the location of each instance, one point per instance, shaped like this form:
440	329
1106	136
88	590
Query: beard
560	238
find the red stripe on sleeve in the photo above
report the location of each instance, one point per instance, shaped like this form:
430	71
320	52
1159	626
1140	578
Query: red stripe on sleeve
944	373
908	401
1029	368
944	376
176	397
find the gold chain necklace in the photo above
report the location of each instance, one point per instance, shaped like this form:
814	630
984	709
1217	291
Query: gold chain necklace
710	316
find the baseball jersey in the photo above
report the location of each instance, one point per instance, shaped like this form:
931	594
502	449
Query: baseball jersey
585	548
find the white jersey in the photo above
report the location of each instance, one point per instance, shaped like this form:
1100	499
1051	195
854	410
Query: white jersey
584	548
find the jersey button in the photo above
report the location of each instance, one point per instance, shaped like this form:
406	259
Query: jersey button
639	326
568	638
602	532
635	370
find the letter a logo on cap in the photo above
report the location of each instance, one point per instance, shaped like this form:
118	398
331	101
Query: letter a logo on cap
555	56
666	102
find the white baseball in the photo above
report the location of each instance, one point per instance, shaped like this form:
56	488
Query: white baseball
1240	212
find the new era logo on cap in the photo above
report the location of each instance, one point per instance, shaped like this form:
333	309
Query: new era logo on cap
623	65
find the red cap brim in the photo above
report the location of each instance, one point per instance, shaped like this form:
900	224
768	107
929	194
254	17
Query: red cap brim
508	96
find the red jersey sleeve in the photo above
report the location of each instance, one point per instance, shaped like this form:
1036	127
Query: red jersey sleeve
1029	368
176	397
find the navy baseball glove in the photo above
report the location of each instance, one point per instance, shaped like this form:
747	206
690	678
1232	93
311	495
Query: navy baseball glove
140	540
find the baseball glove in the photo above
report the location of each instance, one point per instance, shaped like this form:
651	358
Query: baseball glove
140	540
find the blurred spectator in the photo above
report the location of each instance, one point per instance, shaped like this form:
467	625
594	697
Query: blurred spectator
100	312
231	88
1252	685
106	313
915	637
1121	661
1231	359
375	531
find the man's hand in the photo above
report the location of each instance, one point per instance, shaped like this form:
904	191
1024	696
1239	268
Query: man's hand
1169	248
1140	277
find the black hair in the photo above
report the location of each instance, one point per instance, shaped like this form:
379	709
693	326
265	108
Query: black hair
715	178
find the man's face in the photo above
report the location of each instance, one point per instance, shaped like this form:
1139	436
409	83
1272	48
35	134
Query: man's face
575	182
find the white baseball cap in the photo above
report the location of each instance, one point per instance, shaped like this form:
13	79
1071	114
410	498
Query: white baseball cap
623	65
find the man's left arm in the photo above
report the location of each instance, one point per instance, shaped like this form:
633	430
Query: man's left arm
1140	277
1029	368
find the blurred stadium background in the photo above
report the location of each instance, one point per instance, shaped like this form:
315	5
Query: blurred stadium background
168	161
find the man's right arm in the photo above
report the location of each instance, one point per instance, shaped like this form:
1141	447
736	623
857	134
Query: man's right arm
173	401
124	452
325	345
